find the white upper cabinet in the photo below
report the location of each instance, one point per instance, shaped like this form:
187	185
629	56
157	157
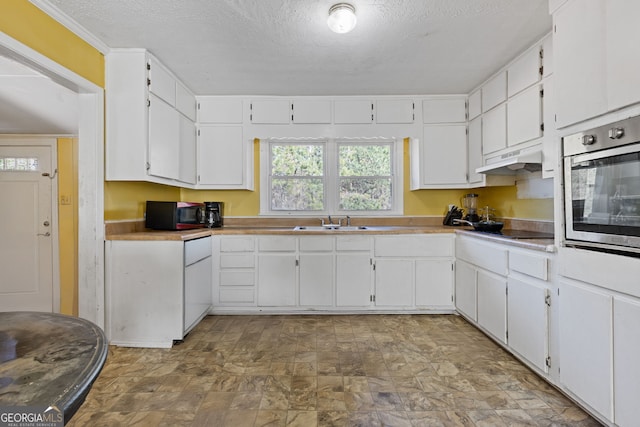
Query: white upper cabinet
494	91
579	61
494	130
524	116
444	110
164	139
623	53
395	111
219	110
444	154
311	111
524	72
188	141
161	82
356	111
547	56
224	158
270	111
475	104
474	151
185	101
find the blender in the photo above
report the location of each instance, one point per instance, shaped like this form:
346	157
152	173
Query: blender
470	204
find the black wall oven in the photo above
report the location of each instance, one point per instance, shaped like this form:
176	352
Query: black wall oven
602	187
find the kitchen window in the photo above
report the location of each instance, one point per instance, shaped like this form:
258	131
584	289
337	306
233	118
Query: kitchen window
331	176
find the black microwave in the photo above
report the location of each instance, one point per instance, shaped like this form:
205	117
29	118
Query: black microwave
174	215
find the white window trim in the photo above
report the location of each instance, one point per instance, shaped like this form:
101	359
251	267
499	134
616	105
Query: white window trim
330	179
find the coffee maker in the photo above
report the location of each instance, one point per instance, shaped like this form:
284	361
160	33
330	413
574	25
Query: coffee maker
213	214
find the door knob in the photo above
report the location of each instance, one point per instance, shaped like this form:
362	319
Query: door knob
47	234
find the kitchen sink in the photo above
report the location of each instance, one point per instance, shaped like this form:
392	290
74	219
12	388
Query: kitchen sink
336	227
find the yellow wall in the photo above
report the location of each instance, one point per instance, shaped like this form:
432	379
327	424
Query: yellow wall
27	24
125	200
24	22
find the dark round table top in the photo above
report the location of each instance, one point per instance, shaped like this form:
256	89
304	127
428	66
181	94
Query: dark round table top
49	360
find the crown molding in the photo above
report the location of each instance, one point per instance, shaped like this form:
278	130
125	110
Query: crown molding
71	25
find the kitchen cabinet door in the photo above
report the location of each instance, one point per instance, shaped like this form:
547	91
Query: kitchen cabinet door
222	157
311	111
434	284
356	111
466	291
197	290
219	110
524	71
276	279
494	91
270	111
394	282
394	111
444	110
444	154
626	348
585	337
161	82
579	61
494	130
353	280
316	279
475	104
164	139
474	148
185	102
492	304
188	142
528	321
623	53
550	141
524	116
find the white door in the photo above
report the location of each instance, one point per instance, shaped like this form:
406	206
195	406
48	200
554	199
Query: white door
26	244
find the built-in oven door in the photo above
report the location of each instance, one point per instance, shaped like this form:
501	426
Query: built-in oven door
602	197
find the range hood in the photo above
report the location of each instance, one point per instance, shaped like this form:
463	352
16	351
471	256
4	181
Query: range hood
513	162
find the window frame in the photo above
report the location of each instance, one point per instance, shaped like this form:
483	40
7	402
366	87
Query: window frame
331	179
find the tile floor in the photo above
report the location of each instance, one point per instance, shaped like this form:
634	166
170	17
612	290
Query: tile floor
351	370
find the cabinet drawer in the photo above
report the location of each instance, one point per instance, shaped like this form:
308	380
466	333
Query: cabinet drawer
237	278
237	244
237	261
236	295
197	249
483	255
529	264
316	244
353	243
277	244
413	246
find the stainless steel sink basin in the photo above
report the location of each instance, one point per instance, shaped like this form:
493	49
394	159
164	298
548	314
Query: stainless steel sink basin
336	227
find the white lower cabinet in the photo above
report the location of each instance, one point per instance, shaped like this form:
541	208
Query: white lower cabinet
585	344
316	267
394	279
156	291
466	290
434	283
277	271
353	271
234	263
626	369
492	304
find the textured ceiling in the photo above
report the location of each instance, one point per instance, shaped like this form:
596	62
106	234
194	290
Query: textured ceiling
284	47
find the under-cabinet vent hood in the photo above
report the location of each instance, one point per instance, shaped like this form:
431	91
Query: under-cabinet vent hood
511	163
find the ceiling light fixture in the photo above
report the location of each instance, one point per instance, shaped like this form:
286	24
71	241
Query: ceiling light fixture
342	18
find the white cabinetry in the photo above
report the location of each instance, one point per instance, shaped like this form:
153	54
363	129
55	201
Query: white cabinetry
270	111
626	348
235	271
188	150
474	149
622	53
443	154
494	92
395	111
156	291
585	344
277	271
143	115
524	71
466	290
475	104
492	304
353	111
311	111
444	110
353	271
524	116
219	110
316	280
224	158
494	130
414	270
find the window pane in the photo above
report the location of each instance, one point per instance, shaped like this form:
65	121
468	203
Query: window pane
296	160
365	160
365	194
297	194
